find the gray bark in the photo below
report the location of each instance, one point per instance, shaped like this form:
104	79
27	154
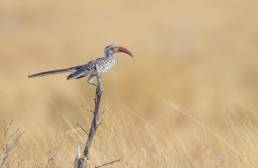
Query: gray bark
81	161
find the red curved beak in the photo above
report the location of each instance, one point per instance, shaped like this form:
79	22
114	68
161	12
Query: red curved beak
124	50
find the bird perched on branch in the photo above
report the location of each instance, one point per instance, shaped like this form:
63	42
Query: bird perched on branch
90	69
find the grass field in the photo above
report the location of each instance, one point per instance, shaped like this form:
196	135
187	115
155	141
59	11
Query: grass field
187	99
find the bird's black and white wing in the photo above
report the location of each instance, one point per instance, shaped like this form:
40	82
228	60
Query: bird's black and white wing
83	71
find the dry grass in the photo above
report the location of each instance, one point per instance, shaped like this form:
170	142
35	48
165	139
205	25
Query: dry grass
188	99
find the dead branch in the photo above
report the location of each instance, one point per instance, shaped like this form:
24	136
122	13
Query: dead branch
81	161
81	127
108	163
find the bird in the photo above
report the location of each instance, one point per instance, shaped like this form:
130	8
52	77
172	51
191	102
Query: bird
91	68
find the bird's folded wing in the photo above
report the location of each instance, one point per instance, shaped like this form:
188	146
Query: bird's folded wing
84	70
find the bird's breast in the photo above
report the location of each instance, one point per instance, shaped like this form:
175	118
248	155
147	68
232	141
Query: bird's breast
105	65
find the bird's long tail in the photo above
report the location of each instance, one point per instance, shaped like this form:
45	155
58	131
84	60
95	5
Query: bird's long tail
53	72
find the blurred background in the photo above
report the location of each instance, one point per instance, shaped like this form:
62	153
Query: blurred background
187	99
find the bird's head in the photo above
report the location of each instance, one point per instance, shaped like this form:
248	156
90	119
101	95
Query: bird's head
112	49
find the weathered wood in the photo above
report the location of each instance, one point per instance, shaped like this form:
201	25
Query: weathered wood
81	161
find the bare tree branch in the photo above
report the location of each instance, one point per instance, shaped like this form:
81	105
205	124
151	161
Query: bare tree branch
81	162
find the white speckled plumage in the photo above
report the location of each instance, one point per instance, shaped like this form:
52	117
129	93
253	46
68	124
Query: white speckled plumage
104	64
